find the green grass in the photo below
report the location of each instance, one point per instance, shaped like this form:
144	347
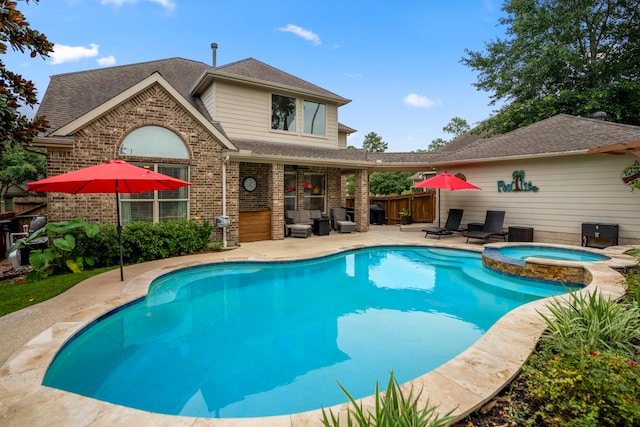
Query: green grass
15	294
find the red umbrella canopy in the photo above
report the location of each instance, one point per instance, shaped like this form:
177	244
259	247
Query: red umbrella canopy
446	181
108	177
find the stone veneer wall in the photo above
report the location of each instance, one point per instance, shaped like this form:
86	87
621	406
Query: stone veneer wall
554	273
100	141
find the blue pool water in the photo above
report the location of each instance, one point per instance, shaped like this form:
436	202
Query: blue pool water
548	252
260	339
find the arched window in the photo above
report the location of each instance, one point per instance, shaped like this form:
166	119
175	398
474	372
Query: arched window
154	141
155	206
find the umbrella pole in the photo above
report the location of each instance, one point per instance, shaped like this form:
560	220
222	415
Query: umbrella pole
438	208
119	231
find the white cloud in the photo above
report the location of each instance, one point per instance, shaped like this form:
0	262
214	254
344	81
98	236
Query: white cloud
106	61
166	4
354	75
62	53
305	34
420	101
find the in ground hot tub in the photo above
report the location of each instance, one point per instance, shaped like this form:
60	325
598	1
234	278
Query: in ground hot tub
557	263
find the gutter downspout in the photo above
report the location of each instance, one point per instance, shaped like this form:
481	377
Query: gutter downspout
224	198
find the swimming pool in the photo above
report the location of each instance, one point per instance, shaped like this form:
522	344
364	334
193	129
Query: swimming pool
551	252
256	339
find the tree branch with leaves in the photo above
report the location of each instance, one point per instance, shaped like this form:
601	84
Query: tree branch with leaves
575	57
15	90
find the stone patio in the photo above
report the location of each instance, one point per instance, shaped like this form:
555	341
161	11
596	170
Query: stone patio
32	336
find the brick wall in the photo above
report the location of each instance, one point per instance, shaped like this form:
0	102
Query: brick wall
100	141
259	199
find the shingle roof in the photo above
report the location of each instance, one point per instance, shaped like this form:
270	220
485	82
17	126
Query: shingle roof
301	151
71	95
252	69
558	134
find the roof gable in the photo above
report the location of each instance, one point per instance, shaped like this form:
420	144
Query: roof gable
72	95
252	71
155	78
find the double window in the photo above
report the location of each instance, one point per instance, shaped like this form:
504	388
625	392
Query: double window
284	112
155	206
314	191
314	118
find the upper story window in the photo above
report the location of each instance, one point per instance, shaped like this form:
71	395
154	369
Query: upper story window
314	118
283	113
154	141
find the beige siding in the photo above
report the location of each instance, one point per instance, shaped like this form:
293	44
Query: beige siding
208	98
572	190
244	113
342	140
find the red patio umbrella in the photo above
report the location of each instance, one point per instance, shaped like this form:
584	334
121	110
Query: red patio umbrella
448	182
114	176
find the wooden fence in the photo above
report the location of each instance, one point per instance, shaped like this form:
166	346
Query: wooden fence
421	206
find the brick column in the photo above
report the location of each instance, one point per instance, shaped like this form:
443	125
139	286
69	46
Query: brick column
276	191
233	202
362	200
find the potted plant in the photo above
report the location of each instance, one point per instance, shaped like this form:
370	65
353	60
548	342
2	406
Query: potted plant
406	217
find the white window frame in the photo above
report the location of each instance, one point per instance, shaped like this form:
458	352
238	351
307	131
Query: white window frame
154	197
311	196
306	103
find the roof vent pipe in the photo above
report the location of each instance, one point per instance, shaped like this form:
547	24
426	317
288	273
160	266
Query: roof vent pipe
214	48
599	115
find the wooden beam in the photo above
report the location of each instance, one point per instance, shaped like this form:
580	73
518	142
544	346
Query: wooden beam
631	147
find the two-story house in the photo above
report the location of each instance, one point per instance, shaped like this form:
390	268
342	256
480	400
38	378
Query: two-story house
252	139
255	141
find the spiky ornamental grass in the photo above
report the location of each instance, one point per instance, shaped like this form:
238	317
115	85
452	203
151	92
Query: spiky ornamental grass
392	409
592	322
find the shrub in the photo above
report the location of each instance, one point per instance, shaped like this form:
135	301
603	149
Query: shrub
144	242
585	372
576	388
64	250
391	409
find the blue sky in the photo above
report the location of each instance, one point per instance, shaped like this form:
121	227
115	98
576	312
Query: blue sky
399	62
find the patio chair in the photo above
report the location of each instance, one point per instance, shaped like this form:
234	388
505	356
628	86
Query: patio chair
453	224
339	221
492	227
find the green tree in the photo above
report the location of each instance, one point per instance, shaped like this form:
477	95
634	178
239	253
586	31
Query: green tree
389	182
16	91
18	165
374	143
456	126
575	57
437	143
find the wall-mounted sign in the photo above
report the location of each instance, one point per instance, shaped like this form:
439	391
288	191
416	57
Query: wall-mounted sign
517	184
631	175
